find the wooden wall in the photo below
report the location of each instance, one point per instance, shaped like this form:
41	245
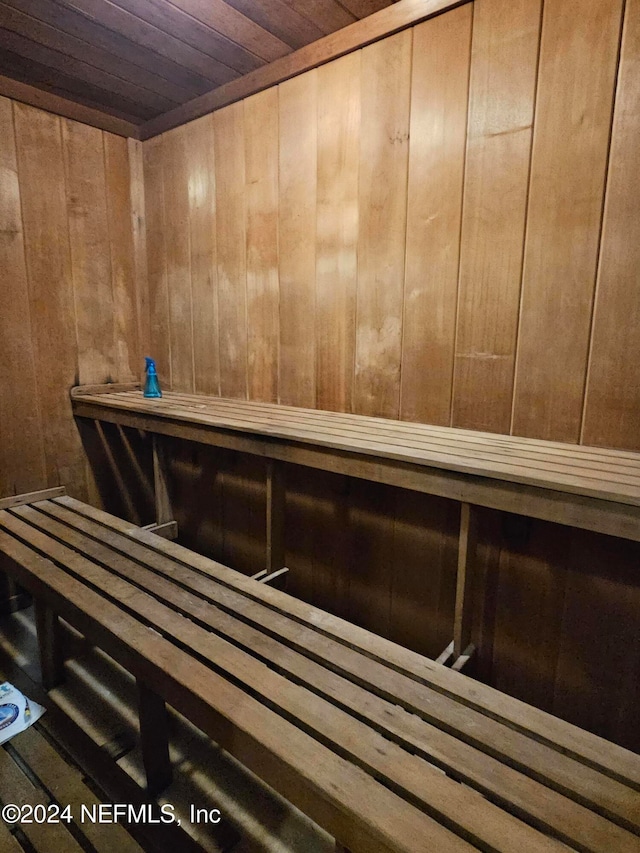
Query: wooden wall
68	298
440	227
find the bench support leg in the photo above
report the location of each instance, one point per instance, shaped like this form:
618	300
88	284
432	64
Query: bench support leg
446	655
466	551
168	530
164	524
154	739
50	646
163	504
275	516
12	597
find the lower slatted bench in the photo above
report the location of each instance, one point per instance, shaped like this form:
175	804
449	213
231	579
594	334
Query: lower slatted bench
384	748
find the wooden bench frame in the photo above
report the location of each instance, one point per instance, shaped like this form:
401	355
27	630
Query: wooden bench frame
570	504
323	711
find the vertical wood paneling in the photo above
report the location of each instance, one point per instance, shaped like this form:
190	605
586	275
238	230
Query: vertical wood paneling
371	519
384	148
91	263
337	230
90	257
69	300
439	85
22	461
504	58
46	234
569	158
159	328
178	255
139	236
197	495
423	586
297	246
318	534
305	519
315	187
204	272
330	550
484	590
261	177
596	680
377	349
612	412
127	356
528	608
231	241
244	512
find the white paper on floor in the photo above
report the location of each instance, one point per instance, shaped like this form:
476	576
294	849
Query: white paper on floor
17	712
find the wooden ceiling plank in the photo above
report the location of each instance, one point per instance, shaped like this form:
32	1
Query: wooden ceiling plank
61	106
327	15
364	8
49	36
136	30
94	106
281	20
35	73
55	57
106	44
107	109
392	19
183	26
235	26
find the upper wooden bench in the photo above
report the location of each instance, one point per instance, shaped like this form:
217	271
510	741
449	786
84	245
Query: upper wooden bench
588	487
386	749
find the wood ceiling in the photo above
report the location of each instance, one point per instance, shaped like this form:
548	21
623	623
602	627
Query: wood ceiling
136	60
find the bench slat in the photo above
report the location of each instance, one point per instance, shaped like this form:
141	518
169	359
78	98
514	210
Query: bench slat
67	786
458	808
339	796
203	401
545	808
328	420
566	738
413	436
8	843
408	427
16	788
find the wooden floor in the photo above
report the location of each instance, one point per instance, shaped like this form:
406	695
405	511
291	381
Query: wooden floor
91	722
33	771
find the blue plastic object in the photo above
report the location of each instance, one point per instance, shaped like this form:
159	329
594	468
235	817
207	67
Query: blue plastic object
151	385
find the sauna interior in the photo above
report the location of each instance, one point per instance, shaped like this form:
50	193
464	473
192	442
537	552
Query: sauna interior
424	211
